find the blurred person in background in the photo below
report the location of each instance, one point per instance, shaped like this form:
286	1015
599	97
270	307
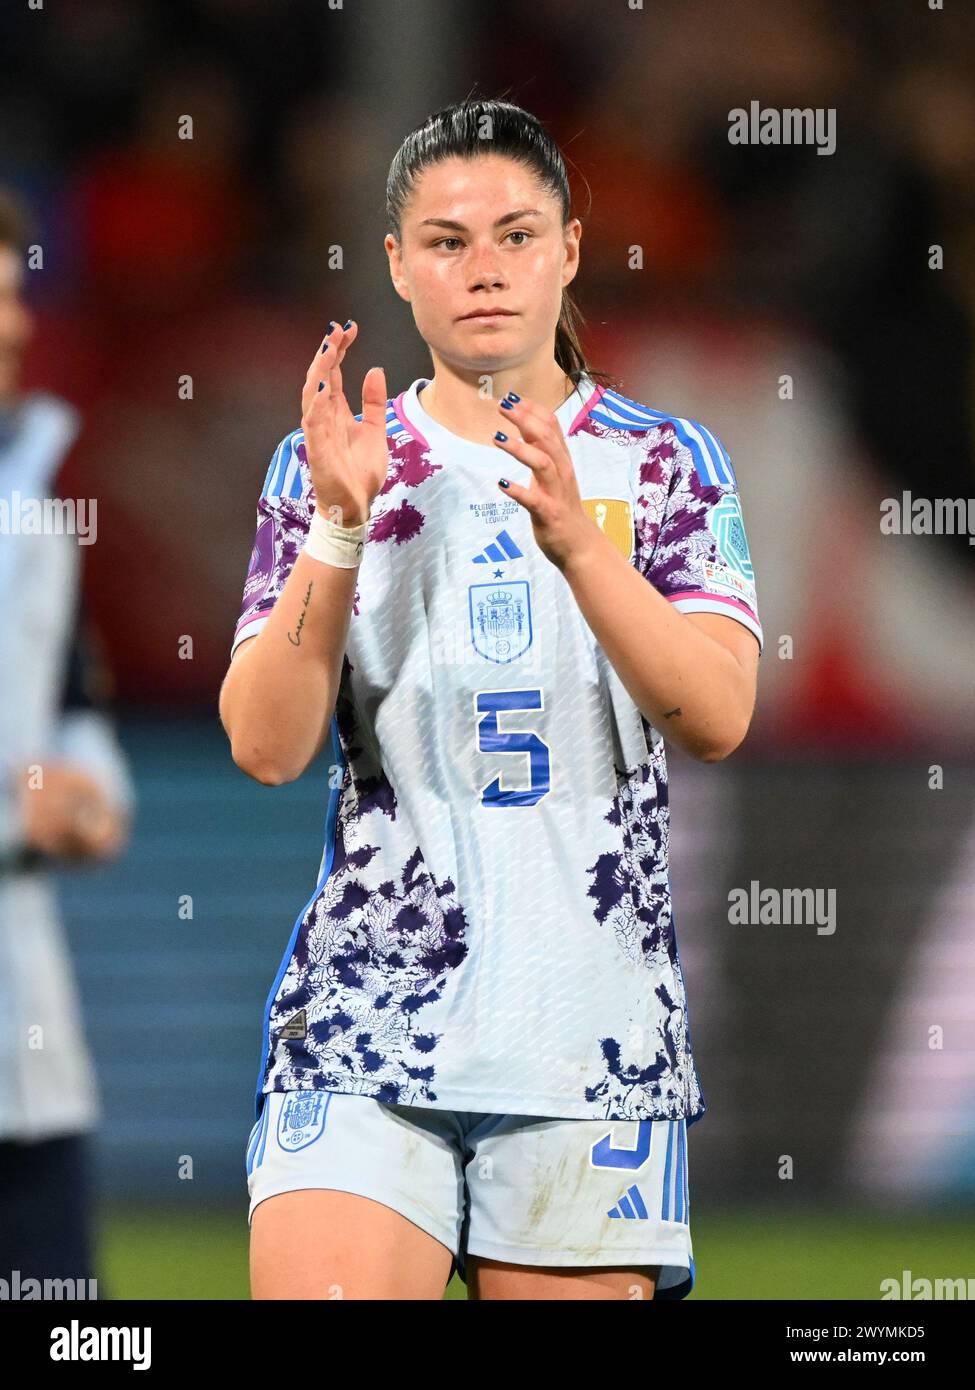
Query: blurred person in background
65	797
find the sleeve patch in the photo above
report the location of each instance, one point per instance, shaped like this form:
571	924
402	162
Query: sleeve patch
261	564
728	525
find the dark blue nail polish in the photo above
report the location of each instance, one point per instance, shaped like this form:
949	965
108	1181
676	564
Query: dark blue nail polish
331	325
512	397
499	435
505	405
503	482
321	386
347	325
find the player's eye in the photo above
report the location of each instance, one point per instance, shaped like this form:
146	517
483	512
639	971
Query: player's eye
527	235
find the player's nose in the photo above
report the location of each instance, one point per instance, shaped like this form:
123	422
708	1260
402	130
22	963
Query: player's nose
484	268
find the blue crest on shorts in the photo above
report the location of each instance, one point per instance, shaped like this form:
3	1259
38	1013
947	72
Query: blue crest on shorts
302	1119
501	619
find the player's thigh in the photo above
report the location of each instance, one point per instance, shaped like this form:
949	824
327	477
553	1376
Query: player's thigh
327	1244
494	1279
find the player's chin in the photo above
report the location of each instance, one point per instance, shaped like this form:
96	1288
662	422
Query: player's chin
488	352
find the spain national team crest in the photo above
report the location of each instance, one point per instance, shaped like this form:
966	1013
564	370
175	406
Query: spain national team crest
302	1119
501	619
614	516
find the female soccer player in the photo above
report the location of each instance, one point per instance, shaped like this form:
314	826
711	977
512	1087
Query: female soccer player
494	595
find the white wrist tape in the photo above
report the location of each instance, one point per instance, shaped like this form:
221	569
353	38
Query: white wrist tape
335	545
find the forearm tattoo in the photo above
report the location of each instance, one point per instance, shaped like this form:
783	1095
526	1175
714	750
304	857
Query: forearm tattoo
296	639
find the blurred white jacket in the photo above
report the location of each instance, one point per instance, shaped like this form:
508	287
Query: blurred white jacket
47	1081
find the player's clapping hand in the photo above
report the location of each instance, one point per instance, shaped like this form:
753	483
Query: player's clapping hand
551	497
348	458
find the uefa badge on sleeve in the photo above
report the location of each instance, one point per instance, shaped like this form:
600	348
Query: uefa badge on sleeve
728	527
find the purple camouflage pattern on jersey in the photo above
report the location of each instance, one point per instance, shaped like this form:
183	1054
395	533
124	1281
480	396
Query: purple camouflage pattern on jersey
631	890
373	950
379	941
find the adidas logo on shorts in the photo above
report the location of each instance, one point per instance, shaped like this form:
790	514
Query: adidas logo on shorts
631	1206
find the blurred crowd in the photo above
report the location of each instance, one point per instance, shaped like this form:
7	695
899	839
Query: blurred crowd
170	258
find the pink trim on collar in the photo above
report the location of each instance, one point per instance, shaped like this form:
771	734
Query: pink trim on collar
401	416
596	396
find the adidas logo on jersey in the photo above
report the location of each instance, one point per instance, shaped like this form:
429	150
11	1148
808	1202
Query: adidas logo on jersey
631	1206
497	551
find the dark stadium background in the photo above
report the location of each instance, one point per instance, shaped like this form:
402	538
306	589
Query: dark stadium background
209	258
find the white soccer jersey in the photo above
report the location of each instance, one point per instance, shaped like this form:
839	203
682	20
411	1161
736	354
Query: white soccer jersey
492	928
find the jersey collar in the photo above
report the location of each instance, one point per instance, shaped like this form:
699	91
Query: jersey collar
425	429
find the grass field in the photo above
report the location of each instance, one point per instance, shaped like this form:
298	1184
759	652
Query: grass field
741	1254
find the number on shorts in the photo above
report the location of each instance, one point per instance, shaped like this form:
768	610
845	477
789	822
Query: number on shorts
606	1155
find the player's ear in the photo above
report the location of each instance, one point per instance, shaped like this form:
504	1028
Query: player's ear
395	255
572	236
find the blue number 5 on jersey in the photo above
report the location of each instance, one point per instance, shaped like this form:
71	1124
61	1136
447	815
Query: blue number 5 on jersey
490	739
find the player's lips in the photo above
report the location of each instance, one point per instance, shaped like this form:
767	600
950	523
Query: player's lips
488	314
